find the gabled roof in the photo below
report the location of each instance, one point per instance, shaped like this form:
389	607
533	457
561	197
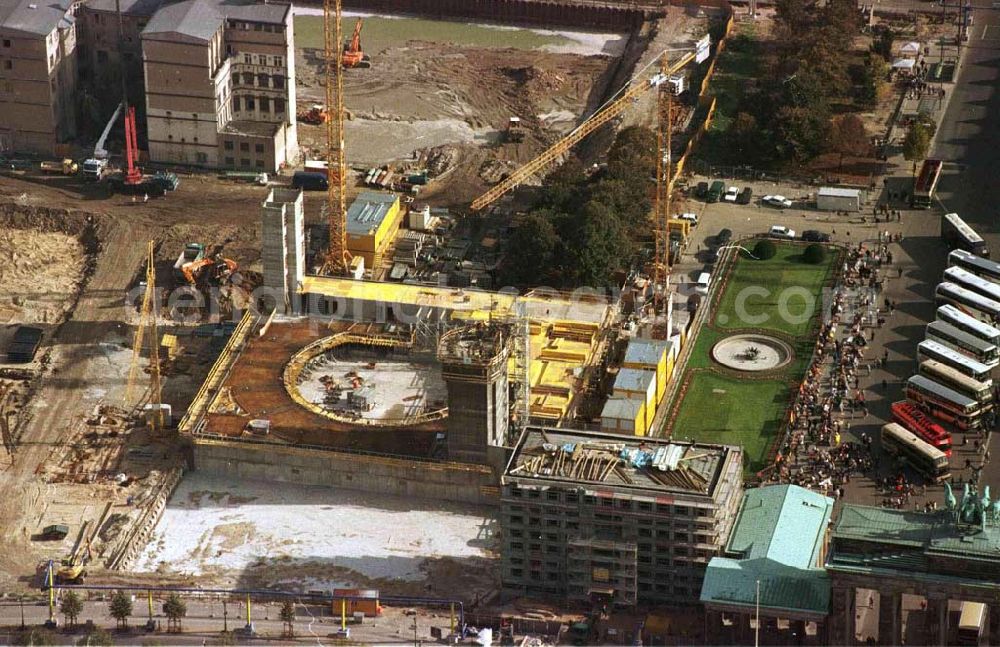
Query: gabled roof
776	541
37	17
200	19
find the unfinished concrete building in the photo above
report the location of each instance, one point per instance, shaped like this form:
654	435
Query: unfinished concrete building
475	366
283	248
37	75
219	84
601	517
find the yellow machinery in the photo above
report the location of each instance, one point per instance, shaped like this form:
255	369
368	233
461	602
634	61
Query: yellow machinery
72	569
595	121
338	258
147	324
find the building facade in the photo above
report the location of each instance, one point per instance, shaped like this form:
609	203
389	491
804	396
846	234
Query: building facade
592	516
37	75
219	85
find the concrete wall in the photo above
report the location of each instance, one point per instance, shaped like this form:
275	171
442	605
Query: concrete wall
395	476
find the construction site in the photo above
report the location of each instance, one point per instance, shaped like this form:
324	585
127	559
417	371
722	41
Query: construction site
341	352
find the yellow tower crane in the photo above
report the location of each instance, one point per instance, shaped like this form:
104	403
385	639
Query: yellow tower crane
552	154
147	330
337	258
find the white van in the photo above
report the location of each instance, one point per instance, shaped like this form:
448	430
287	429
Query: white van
702	284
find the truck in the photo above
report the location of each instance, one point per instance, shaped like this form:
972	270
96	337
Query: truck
93	168
715	191
65	167
192	252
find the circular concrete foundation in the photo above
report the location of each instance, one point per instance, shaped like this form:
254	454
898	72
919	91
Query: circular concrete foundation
752	353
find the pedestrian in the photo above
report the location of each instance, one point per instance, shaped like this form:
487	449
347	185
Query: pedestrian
885	386
145	197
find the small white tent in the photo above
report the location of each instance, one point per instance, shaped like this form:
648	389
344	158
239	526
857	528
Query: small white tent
912	48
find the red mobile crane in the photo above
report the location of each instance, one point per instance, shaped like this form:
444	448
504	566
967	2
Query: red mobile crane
133	174
131	179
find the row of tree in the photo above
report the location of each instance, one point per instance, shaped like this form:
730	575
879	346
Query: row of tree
791	112
586	224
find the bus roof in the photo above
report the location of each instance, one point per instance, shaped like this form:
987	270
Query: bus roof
929	173
965	230
946	329
973	282
906	409
988	305
982	264
953	356
907	436
981	328
941	390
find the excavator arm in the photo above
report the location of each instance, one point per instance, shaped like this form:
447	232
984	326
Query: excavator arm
190	270
355	44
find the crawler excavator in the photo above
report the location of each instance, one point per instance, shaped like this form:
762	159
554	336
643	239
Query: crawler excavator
221	268
353	56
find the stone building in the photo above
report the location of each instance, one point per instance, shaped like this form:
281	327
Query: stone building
37	75
604	517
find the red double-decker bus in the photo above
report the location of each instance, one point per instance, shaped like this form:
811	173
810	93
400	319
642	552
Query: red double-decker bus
916	421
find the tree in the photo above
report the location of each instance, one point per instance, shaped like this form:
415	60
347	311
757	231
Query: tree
743	134
71	607
882	44
595	246
874	78
802	131
175	609
98	637
764	250
530	251
814	254
916	143
287	615
120	608
848	137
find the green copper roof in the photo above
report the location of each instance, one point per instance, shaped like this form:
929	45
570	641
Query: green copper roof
777	539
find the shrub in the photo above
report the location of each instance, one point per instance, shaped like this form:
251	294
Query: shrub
814	254
764	250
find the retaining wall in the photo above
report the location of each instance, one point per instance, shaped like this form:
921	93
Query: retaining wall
138	535
465	483
619	17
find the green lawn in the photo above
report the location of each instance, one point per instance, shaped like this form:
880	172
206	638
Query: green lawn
718	408
379	33
782	293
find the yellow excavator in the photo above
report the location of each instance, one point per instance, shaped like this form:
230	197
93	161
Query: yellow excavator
73	569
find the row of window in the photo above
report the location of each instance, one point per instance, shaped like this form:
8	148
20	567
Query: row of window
262	80
254	26
245	163
244	147
263	104
262	59
622	504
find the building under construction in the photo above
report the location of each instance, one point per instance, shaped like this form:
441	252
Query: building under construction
607	518
396	388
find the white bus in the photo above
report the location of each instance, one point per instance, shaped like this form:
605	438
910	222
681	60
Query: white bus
955	317
971	623
979	266
904	445
932	350
970	281
957	233
944	403
963	342
981	392
983	309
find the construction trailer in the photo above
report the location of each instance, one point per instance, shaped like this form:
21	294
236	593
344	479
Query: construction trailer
830	198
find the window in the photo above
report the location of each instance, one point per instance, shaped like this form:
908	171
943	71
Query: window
8	64
127	57
552	495
279	61
516	572
230	161
194	115
247	78
258	27
258	148
572	497
262	80
170	137
645	506
236	104
278	81
279	105
244	147
261	59
244	162
250	103
265	104
6	42
195	140
248	59
259	163
183	140
228	145
169	114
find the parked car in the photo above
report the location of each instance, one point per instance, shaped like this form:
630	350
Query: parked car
779	201
732	193
724	236
745	196
703	283
715	191
814	236
701	191
781	231
690	217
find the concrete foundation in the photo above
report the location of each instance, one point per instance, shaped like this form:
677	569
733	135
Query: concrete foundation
464	483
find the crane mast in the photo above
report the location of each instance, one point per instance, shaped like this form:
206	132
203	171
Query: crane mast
664	184
337	257
147	330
